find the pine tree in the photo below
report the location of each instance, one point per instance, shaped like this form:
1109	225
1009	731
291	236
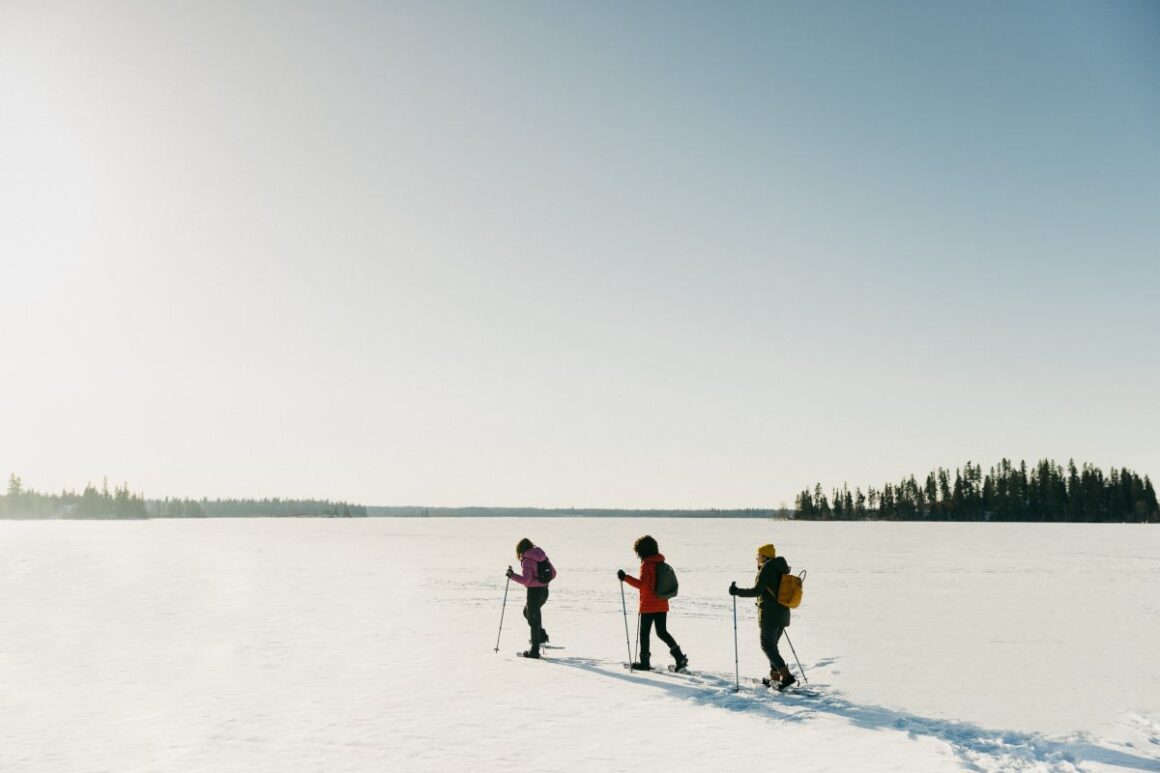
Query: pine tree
824	507
1150	501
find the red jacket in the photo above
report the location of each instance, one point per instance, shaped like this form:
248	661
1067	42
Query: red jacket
647	585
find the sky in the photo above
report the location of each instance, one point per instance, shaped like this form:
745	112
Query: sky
574	255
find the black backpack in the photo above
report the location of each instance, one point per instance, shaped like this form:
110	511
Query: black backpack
545	572
666	581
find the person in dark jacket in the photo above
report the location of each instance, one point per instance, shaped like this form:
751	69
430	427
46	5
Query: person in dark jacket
530	557
772	617
653	609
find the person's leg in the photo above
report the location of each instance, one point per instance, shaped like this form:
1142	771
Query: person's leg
674	649
778	670
536	599
543	631
646	624
770	634
663	631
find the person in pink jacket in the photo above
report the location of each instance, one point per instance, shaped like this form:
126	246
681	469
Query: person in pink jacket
536	571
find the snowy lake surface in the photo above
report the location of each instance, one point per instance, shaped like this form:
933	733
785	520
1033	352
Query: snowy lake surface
369	645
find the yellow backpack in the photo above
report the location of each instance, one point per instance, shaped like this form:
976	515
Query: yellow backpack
789	590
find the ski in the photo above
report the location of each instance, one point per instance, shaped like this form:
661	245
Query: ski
525	655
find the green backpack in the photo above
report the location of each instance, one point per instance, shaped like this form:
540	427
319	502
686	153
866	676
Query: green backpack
666	581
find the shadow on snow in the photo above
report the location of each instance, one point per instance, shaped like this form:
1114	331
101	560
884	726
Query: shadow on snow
971	743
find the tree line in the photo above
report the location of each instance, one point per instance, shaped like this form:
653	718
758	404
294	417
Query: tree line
285	508
21	502
1006	492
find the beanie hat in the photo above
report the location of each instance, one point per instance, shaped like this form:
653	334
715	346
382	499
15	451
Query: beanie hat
769	551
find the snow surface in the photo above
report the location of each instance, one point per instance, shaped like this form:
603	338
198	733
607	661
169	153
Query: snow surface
368	645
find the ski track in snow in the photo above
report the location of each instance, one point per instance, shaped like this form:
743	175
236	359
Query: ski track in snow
979	748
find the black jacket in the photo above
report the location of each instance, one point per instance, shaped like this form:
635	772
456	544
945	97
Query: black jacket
769	612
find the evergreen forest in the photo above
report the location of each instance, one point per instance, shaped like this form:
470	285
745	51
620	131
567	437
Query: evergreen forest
20	502
1005	492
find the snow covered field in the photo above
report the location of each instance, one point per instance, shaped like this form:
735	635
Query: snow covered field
367	645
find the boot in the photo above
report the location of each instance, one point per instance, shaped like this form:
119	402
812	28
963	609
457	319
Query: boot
543	636
534	652
642	664
786	678
681	659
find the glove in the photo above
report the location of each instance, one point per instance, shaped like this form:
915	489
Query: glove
733	589
620	575
510	573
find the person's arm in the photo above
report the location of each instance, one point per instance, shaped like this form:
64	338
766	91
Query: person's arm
632	581
528	566
747	592
760	586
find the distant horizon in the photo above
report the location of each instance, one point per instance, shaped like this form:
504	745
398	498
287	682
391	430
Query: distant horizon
1046	484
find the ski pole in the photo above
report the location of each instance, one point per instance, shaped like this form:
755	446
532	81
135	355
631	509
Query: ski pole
795	657
636	647
501	611
624	606
736	658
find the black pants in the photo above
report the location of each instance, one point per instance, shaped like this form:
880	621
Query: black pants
647	620
537	597
770	634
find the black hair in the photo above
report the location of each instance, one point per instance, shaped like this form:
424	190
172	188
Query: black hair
523	546
645	546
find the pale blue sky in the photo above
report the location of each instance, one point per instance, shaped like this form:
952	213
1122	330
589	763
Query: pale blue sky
639	255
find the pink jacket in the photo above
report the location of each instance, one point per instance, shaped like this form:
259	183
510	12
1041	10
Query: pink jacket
527	576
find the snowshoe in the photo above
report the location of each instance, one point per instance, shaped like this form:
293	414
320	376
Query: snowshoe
780	685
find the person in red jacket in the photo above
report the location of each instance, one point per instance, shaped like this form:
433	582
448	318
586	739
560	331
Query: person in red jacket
653	610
